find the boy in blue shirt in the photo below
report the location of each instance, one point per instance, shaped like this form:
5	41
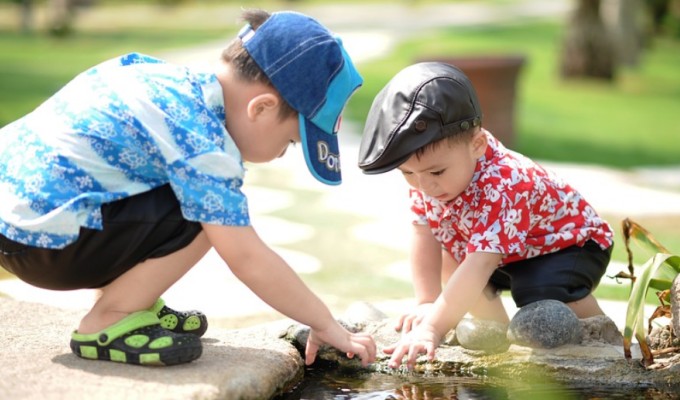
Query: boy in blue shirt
128	175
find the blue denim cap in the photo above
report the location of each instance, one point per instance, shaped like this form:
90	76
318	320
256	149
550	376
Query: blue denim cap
311	70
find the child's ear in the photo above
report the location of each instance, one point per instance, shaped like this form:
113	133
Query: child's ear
262	104
479	143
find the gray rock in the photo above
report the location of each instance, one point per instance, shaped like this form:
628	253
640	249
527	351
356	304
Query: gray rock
253	363
545	324
661	338
450	339
675	305
487	336
594	362
297	334
360	313
600	328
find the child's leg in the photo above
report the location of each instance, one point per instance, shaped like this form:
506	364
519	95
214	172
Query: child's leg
489	305
138	288
569	275
586	307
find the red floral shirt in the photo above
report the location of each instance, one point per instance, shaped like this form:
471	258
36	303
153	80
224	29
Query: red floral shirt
513	207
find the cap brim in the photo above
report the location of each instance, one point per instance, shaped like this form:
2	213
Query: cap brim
322	152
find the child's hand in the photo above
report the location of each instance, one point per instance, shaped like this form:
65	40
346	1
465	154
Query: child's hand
407	322
421	340
360	344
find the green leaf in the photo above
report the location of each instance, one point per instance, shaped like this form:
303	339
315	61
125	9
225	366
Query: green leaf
660	264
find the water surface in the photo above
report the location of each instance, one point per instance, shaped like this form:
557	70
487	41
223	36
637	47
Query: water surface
334	384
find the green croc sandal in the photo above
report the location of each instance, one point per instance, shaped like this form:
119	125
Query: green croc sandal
194	322
137	339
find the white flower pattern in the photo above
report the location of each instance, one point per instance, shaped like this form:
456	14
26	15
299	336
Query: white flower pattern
513	207
131	124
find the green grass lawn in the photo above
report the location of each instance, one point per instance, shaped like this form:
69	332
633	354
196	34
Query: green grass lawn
633	122
34	67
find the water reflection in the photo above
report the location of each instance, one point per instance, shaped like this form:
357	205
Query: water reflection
328	383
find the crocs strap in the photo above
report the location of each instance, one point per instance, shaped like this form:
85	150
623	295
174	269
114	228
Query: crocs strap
136	320
157	306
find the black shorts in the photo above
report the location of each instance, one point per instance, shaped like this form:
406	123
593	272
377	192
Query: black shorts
148	225
567	275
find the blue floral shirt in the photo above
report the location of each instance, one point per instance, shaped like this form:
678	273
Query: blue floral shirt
121	128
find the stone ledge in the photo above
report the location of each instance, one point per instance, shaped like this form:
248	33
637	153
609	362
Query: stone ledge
591	362
36	363
254	363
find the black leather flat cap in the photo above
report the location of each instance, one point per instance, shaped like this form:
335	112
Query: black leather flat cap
421	104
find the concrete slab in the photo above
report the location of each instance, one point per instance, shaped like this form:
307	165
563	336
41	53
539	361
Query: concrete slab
36	363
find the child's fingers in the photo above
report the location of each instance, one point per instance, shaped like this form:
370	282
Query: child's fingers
430	351
364	346
310	352
409	323
413	353
397	355
400	323
371	348
389	349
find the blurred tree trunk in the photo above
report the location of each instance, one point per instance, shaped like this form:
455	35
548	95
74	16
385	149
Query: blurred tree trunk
27	16
628	31
588	50
626	21
61	13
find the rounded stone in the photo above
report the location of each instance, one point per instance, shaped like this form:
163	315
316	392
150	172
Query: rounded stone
545	324
488	336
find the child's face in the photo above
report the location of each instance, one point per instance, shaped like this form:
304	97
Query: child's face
445	171
266	137
273	137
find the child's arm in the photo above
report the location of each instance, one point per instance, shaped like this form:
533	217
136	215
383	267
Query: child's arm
426	261
460	294
270	278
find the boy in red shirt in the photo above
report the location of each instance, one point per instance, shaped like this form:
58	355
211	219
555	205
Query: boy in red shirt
486	218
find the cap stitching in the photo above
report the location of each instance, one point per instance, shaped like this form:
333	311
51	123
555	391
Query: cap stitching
412	104
284	56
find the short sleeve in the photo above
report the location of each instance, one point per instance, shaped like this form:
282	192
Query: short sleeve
200	158
214	198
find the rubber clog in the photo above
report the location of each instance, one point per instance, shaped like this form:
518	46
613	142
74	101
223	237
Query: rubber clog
139	339
193	322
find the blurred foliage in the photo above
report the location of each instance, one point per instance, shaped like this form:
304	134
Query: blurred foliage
632	123
34	67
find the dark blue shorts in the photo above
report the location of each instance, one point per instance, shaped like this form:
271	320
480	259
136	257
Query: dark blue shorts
567	275
148	225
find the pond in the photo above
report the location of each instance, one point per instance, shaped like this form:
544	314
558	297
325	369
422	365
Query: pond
321	383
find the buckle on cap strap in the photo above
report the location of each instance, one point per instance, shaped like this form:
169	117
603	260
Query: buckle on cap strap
246	33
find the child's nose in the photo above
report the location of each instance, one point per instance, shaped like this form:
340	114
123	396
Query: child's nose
424	183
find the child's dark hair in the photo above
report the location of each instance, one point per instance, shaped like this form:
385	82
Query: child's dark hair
459	137
244	65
